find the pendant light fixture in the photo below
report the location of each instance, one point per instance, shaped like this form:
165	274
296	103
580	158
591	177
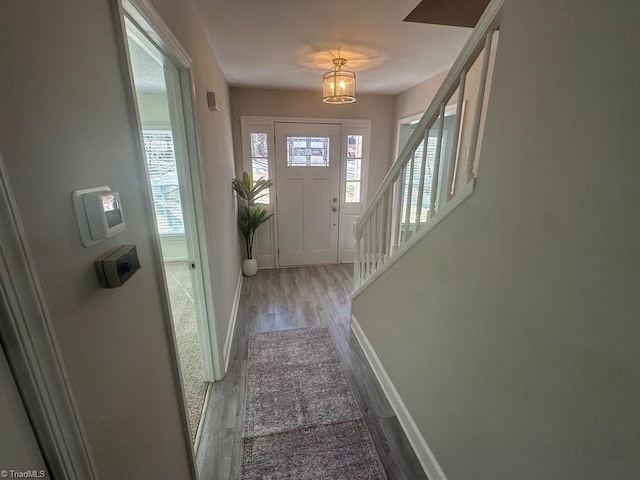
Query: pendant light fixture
339	83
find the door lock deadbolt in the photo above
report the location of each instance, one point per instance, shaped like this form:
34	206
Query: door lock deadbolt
334	199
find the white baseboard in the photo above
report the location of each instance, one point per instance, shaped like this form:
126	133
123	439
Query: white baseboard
232	323
420	447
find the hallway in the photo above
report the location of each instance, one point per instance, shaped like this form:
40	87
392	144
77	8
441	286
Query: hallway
293	298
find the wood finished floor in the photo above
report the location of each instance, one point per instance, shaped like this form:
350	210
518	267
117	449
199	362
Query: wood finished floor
293	298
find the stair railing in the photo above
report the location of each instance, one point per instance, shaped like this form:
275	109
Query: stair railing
383	232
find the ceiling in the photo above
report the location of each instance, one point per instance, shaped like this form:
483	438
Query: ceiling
290	43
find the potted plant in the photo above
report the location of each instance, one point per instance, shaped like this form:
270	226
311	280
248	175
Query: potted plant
250	215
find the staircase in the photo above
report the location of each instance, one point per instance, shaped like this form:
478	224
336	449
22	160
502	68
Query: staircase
427	182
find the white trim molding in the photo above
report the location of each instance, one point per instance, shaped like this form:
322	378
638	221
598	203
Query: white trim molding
203	415
232	323
149	20
417	441
28	338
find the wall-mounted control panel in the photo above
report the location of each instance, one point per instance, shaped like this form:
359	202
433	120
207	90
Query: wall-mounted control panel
99	214
117	266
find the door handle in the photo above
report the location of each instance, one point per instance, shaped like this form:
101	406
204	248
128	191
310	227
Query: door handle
335	209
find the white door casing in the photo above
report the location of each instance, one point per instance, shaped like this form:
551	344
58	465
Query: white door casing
266	241
308	194
147	20
143	25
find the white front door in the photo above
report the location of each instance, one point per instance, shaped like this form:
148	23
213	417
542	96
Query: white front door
308	192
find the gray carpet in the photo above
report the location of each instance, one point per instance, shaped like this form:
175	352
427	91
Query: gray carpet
187	339
302	421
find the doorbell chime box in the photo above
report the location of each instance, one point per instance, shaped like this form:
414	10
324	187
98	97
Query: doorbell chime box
117	266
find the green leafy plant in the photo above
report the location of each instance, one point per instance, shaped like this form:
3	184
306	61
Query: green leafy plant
250	215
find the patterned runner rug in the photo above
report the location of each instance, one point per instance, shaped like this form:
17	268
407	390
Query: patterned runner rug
302	421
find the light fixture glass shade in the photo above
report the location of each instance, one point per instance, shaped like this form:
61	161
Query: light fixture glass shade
339	83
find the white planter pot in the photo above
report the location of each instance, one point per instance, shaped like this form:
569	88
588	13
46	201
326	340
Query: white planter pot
249	267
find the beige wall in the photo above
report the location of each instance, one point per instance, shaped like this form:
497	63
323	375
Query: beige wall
413	101
66	125
308	104
217	157
511	330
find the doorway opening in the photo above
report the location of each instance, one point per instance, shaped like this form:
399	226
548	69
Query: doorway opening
161	86
319	168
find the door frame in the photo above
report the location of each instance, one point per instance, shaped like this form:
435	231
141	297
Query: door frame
31	348
268	258
189	180
149	22
144	16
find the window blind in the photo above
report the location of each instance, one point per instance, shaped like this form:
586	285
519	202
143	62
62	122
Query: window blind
163	173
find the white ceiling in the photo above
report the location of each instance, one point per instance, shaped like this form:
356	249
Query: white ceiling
290	43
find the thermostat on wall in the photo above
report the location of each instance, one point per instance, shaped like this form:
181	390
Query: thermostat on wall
99	214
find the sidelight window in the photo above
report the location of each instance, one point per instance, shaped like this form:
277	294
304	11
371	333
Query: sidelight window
260	161
354	169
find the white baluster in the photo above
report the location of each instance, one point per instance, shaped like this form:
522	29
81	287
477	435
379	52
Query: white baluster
407	217
403	187
356	255
365	240
423	174
374	239
389	222
397	212
381	227
453	155
369	241
436	165
477	115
